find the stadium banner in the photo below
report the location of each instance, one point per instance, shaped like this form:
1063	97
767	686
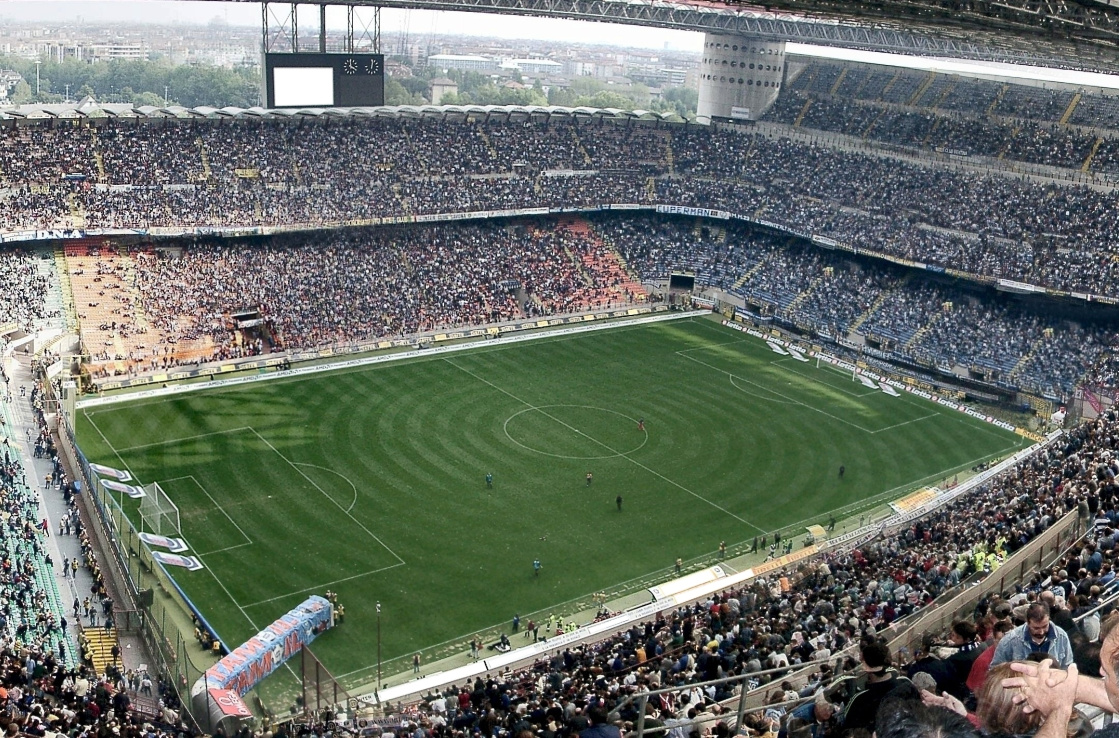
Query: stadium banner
9	327
1019	288
57	234
782	561
229	703
126	489
569	172
18	235
189	563
174	545
828	243
245	666
695	212
108	471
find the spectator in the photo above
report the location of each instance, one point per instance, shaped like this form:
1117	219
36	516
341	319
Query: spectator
1036	636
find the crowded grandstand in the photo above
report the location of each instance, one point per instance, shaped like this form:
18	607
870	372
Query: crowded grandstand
954	234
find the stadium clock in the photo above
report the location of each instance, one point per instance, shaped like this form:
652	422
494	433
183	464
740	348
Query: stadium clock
322	80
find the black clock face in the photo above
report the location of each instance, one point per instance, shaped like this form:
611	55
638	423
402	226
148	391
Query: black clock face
349	66
373	66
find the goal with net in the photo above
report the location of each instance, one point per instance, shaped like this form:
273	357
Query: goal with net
158	513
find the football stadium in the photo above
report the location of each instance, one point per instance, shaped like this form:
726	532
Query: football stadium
790	416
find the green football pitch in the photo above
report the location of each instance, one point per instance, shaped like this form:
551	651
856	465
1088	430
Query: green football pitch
372	481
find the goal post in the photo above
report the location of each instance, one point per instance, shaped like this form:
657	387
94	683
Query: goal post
157	512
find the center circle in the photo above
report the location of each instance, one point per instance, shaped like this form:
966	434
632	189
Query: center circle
583	432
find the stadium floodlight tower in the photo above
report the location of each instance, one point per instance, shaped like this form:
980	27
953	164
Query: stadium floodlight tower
740	76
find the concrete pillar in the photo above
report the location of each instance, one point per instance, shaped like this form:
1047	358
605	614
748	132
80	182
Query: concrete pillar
739	76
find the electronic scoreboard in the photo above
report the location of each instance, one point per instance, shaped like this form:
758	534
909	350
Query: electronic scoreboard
324	80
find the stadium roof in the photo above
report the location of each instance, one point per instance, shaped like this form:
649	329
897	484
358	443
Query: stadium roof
1081	34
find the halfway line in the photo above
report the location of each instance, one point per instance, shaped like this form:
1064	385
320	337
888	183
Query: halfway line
605	446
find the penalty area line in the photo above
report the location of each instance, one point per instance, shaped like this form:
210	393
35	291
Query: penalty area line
312	482
324	585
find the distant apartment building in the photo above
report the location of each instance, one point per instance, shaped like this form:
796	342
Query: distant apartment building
673	77
440	87
116	51
8	81
465	62
534	67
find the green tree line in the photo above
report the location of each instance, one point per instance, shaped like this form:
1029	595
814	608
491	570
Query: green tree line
475	88
137	82
158	82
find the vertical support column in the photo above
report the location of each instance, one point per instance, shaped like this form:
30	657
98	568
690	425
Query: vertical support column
350	28
322	29
295	28
377	29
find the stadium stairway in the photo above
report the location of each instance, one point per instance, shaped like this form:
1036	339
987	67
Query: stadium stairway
1022	363
69	310
889	85
77	215
1091	154
858	322
1013	135
998	98
738	283
932	130
944	94
98	159
206	171
802	113
866	131
489	143
97	646
925	85
791	307
916	337
1070	109
838	81
582	149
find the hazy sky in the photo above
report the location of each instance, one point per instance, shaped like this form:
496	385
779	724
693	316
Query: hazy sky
421	23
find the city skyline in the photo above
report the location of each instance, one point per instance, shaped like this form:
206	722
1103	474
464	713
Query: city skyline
421	24
418	23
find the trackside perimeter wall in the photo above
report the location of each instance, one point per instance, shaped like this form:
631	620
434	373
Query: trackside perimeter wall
586	326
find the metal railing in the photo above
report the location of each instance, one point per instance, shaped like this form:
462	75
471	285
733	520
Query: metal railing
910	631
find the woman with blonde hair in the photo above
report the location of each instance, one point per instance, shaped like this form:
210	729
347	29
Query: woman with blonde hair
997	713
